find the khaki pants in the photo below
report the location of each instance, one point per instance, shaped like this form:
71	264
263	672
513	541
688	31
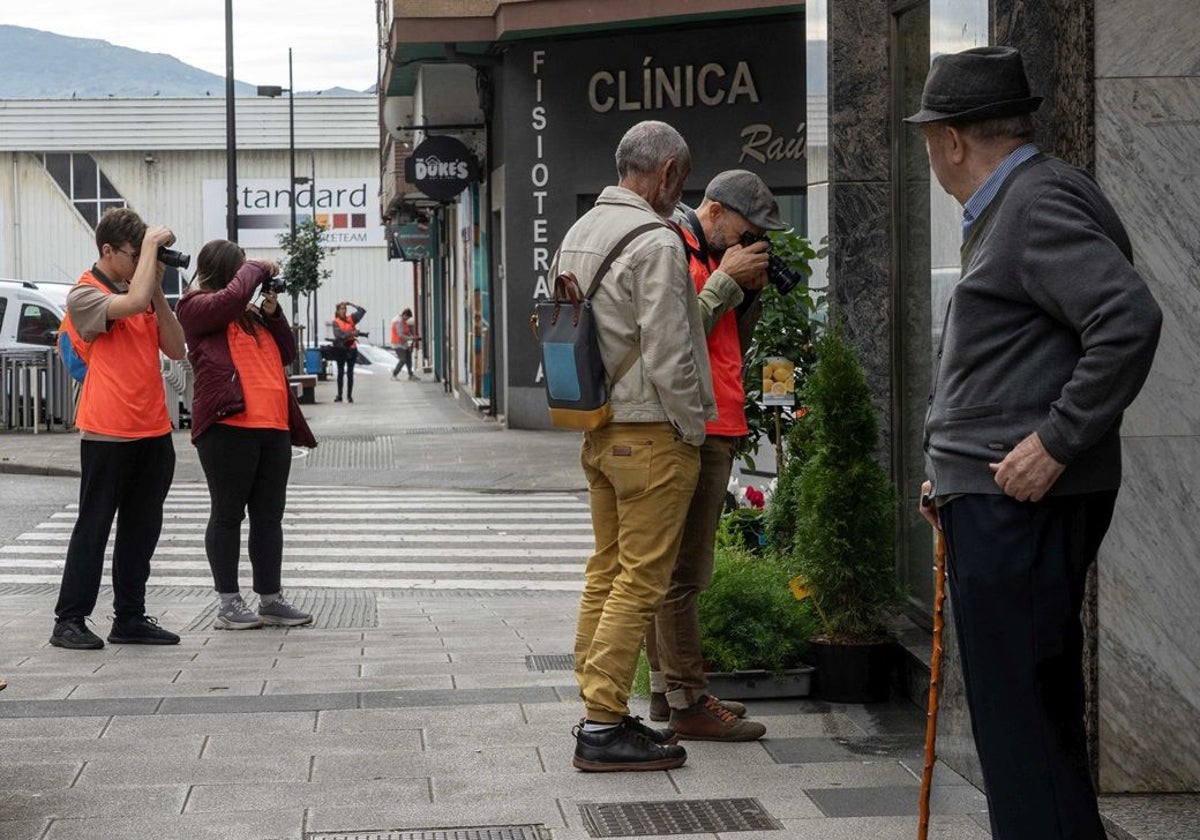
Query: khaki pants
640	482
673	638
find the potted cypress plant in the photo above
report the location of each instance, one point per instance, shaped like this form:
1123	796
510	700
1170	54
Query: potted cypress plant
842	542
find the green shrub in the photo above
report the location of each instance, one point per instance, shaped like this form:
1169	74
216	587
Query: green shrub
748	616
845	517
779	520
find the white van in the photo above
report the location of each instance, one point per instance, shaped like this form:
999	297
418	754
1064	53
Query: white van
30	313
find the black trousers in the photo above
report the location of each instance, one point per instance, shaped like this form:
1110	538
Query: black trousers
128	481
246	470
345	367
1017	572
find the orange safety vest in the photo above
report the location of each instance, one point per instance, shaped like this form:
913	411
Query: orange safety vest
123	393
346	325
264	387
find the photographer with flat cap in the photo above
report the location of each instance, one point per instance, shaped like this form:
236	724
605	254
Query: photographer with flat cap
727	258
1048	337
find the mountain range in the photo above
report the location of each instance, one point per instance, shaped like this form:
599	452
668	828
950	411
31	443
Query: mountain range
43	65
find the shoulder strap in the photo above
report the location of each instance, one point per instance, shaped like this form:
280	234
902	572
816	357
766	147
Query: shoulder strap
616	251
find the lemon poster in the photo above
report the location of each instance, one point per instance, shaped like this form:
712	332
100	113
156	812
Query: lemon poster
779	382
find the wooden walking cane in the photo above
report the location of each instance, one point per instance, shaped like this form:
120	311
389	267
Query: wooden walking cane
935	681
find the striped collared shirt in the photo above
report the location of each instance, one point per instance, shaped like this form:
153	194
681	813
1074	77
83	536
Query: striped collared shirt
982	197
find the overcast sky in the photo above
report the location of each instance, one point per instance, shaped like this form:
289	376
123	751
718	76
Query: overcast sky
333	43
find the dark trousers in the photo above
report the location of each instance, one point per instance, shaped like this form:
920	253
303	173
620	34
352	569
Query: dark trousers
128	481
246	470
1016	573
673	638
404	357
345	367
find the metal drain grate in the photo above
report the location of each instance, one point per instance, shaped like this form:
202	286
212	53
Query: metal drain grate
490	832
332	609
352	453
450	430
689	816
550	662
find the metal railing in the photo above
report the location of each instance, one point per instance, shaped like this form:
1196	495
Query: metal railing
36	392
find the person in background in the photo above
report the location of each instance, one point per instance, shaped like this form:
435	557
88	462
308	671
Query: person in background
404	340
641	468
345	339
1048	336
126	457
245	419
737	208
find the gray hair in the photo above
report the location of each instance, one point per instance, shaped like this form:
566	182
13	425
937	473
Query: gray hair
647	146
1019	127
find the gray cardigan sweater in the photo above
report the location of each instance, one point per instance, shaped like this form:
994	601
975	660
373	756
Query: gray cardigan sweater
1050	330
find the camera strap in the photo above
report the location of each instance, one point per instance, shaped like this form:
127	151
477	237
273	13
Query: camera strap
693	223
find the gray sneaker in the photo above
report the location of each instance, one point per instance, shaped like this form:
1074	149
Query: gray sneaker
236	616
279	612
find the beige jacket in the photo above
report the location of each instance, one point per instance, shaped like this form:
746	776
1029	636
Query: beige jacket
648	293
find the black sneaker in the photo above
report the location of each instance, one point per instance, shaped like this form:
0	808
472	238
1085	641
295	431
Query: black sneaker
658	736
73	633
623	747
140	630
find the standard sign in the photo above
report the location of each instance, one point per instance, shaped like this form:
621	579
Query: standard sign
346	208
441	168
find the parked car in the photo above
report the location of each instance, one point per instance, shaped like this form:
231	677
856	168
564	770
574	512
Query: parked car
30	313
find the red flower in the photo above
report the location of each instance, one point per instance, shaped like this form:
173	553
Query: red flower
755	497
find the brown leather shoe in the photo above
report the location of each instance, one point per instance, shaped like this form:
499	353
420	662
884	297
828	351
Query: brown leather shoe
660	710
707	720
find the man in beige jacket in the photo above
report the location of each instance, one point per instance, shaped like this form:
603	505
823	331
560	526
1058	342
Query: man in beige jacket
642	467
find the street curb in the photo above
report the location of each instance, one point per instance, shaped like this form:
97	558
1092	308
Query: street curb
33	469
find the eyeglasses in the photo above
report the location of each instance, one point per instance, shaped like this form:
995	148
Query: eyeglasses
749	239
134	257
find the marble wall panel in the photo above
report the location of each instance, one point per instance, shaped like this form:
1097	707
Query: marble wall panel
859	92
1149	633
1124	29
859	270
1055	38
1147	162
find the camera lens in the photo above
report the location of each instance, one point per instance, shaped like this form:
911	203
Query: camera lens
175	259
782	276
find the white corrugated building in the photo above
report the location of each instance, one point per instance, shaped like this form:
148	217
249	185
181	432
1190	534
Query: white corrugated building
64	161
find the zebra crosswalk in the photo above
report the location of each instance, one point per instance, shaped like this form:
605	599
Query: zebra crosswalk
361	538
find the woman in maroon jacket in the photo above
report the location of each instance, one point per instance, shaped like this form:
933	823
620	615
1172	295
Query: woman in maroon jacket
244	422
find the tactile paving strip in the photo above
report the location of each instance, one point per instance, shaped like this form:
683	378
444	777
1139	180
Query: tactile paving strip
332	609
491	832
688	816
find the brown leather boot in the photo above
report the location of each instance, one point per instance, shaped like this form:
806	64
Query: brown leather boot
660	710
708	720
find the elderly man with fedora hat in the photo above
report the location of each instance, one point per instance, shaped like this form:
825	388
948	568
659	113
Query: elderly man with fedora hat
1047	338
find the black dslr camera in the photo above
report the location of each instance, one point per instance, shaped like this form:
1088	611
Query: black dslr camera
781	275
175	259
274	284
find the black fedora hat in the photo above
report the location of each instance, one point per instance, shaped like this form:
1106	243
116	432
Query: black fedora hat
976	84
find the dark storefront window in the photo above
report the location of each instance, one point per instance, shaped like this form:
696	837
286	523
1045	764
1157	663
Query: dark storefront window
911	298
80	179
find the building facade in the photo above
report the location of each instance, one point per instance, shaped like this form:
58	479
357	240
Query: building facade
63	162
545	88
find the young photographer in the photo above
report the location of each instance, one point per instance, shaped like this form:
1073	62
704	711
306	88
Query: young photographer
244	422
126	456
345	338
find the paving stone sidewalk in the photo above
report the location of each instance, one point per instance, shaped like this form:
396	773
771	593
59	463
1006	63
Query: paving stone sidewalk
424	717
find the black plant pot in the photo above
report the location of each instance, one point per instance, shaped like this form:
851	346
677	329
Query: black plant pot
859	673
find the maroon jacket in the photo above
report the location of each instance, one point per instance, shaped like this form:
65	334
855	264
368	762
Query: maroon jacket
205	317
